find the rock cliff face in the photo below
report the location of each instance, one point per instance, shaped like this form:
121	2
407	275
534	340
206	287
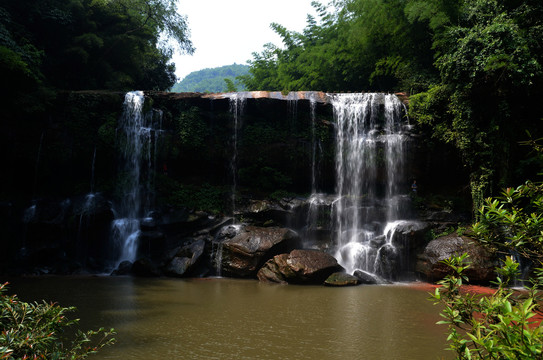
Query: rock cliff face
59	196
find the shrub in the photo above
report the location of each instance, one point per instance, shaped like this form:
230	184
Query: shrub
497	326
37	331
513	222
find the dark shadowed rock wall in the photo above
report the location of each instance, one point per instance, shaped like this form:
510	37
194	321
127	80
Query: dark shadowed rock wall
56	157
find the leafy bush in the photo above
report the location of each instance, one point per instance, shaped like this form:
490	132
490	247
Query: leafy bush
514	221
37	331
497	326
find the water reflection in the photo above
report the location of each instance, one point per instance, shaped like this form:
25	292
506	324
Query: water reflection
244	319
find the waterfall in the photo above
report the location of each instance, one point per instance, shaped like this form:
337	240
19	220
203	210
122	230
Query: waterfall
318	202
371	184
136	133
237	107
217	258
314	143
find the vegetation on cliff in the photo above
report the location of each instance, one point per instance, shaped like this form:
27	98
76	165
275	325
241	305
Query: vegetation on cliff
473	69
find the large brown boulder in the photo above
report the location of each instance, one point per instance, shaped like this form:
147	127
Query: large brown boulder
244	253
300	267
482	262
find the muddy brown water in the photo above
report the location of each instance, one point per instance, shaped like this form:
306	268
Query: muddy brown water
223	318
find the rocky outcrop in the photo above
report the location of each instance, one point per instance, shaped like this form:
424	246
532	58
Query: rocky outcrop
275	270
269	213
185	259
408	239
246	248
299	267
482	262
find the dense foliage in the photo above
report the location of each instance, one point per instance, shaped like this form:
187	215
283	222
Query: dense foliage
490	63
513	222
37	331
353	46
473	69
220	79
87	44
502	325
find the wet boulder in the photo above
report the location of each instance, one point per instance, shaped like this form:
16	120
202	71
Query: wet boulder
263	212
368	278
300	267
482	262
409	235
124	268
184	260
273	270
341	279
245	252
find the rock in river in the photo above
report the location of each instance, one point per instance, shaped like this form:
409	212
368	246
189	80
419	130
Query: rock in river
482	262
244	253
300	267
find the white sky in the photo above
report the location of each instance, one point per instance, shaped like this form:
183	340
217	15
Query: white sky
229	31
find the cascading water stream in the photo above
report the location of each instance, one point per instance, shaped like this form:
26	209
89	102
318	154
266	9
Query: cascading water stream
137	133
237	107
371	195
317	201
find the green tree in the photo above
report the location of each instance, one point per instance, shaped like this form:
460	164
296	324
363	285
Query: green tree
489	60
230	86
89	44
354	45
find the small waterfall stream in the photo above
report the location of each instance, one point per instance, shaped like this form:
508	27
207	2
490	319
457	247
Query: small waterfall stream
317	201
371	185
237	107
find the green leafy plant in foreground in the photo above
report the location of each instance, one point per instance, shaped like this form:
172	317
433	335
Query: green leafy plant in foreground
37	331
496	326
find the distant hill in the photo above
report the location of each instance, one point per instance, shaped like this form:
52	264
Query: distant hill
212	80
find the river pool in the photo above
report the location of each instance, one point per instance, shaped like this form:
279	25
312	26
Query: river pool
222	318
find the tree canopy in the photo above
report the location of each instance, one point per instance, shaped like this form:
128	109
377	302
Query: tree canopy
89	44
